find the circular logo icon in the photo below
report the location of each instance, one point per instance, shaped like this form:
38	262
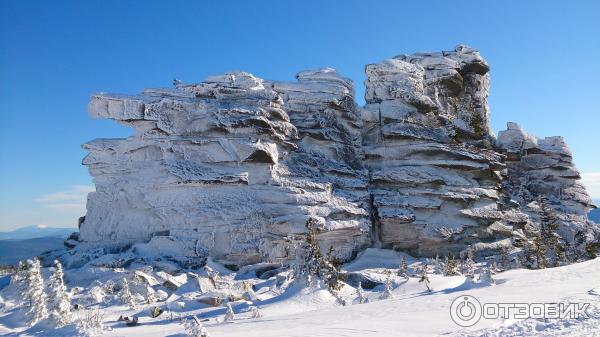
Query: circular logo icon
465	310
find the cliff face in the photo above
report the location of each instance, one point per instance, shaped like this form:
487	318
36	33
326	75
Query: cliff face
541	174
434	179
233	167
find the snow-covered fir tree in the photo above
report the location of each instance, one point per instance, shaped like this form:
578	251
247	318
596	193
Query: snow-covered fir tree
36	296
530	256
450	266
504	259
423	276
256	312
90	323
310	266
20	279
126	295
403	268
591	249
540	251
387	288
486	275
229	314
437	265
559	254
468	264
59	302
570	253
360	295
550	238
495	267
194	327
313	264
150	295
519	261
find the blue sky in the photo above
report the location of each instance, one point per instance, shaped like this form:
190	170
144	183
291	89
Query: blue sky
53	55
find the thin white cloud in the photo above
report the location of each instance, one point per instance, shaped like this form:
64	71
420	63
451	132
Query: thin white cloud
591	181
72	199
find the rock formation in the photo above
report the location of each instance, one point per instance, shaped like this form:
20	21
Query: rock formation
541	173
233	167
433	176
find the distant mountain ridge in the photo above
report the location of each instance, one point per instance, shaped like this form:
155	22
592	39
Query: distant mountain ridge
32	232
12	251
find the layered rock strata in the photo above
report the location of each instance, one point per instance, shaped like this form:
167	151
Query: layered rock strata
233	167
541	173
434	178
218	168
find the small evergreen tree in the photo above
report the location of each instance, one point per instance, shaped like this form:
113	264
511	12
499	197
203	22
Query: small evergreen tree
580	245
486	275
437	265
90	323
530	256
387	290
314	264
550	239
332	276
229	314
591	249
540	252
403	268
559	253
151	295
504	259
20	279
60	304
450	266
469	264
126	295
423	276
570	253
38	309
360	296
519	261
194	328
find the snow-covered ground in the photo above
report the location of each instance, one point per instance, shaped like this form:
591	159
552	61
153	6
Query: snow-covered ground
290	309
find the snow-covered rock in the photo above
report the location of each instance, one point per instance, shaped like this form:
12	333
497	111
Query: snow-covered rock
233	167
218	168
433	176
541	170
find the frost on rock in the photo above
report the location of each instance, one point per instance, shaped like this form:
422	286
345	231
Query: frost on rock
234	166
541	173
428	147
229	168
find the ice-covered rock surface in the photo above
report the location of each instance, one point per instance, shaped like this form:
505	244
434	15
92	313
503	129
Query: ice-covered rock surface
433	174
542	170
233	167
230	167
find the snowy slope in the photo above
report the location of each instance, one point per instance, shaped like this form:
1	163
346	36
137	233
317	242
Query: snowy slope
299	311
